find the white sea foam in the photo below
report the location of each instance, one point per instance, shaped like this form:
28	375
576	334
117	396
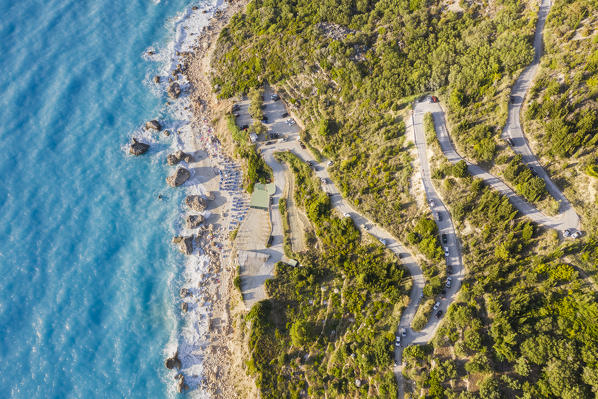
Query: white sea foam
192	339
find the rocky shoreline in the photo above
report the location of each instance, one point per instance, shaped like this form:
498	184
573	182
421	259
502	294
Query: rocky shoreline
202	359
224	374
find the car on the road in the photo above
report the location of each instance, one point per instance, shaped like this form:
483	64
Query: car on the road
285	114
438	216
347	215
330	163
432	203
444	238
533	172
302	145
274	97
244	127
397	362
291	121
398	341
310	163
449	269
382	241
323	180
509	141
403	332
439	314
449	281
265	119
285	138
434	99
436	306
446	252
576	234
567	233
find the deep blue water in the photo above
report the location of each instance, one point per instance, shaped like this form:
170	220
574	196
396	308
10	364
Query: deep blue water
87	272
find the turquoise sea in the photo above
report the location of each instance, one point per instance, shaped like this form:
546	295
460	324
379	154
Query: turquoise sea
89	277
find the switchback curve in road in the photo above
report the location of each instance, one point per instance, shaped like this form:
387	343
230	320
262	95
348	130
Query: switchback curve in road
273	111
568	218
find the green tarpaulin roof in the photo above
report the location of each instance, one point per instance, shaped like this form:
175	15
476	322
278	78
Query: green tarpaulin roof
261	195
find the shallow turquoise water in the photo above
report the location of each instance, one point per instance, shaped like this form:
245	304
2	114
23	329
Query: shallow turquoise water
88	275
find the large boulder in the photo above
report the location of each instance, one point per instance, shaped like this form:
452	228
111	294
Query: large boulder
196	203
138	148
184	307
181	386
194	221
153	124
174	90
185	244
179	177
177	157
173	362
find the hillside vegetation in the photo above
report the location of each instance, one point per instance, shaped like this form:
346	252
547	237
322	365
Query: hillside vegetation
330	321
561	111
525	322
350	68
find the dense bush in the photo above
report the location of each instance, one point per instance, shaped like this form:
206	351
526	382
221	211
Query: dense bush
257	170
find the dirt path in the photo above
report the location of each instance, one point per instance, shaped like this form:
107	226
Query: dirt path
295	222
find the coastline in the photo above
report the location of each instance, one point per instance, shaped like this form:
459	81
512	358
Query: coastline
203	354
225	374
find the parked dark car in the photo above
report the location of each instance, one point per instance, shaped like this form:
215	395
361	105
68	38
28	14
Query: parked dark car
265	119
285	115
302	145
244	127
444	238
438	314
270	241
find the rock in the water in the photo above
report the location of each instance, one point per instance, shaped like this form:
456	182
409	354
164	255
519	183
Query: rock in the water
184	307
156	79
138	148
181	386
185	292
177	157
196	202
173	362
166	132
194	221
179	177
174	90
185	244
153	124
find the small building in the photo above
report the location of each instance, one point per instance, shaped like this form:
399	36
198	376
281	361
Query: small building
293	262
260	198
